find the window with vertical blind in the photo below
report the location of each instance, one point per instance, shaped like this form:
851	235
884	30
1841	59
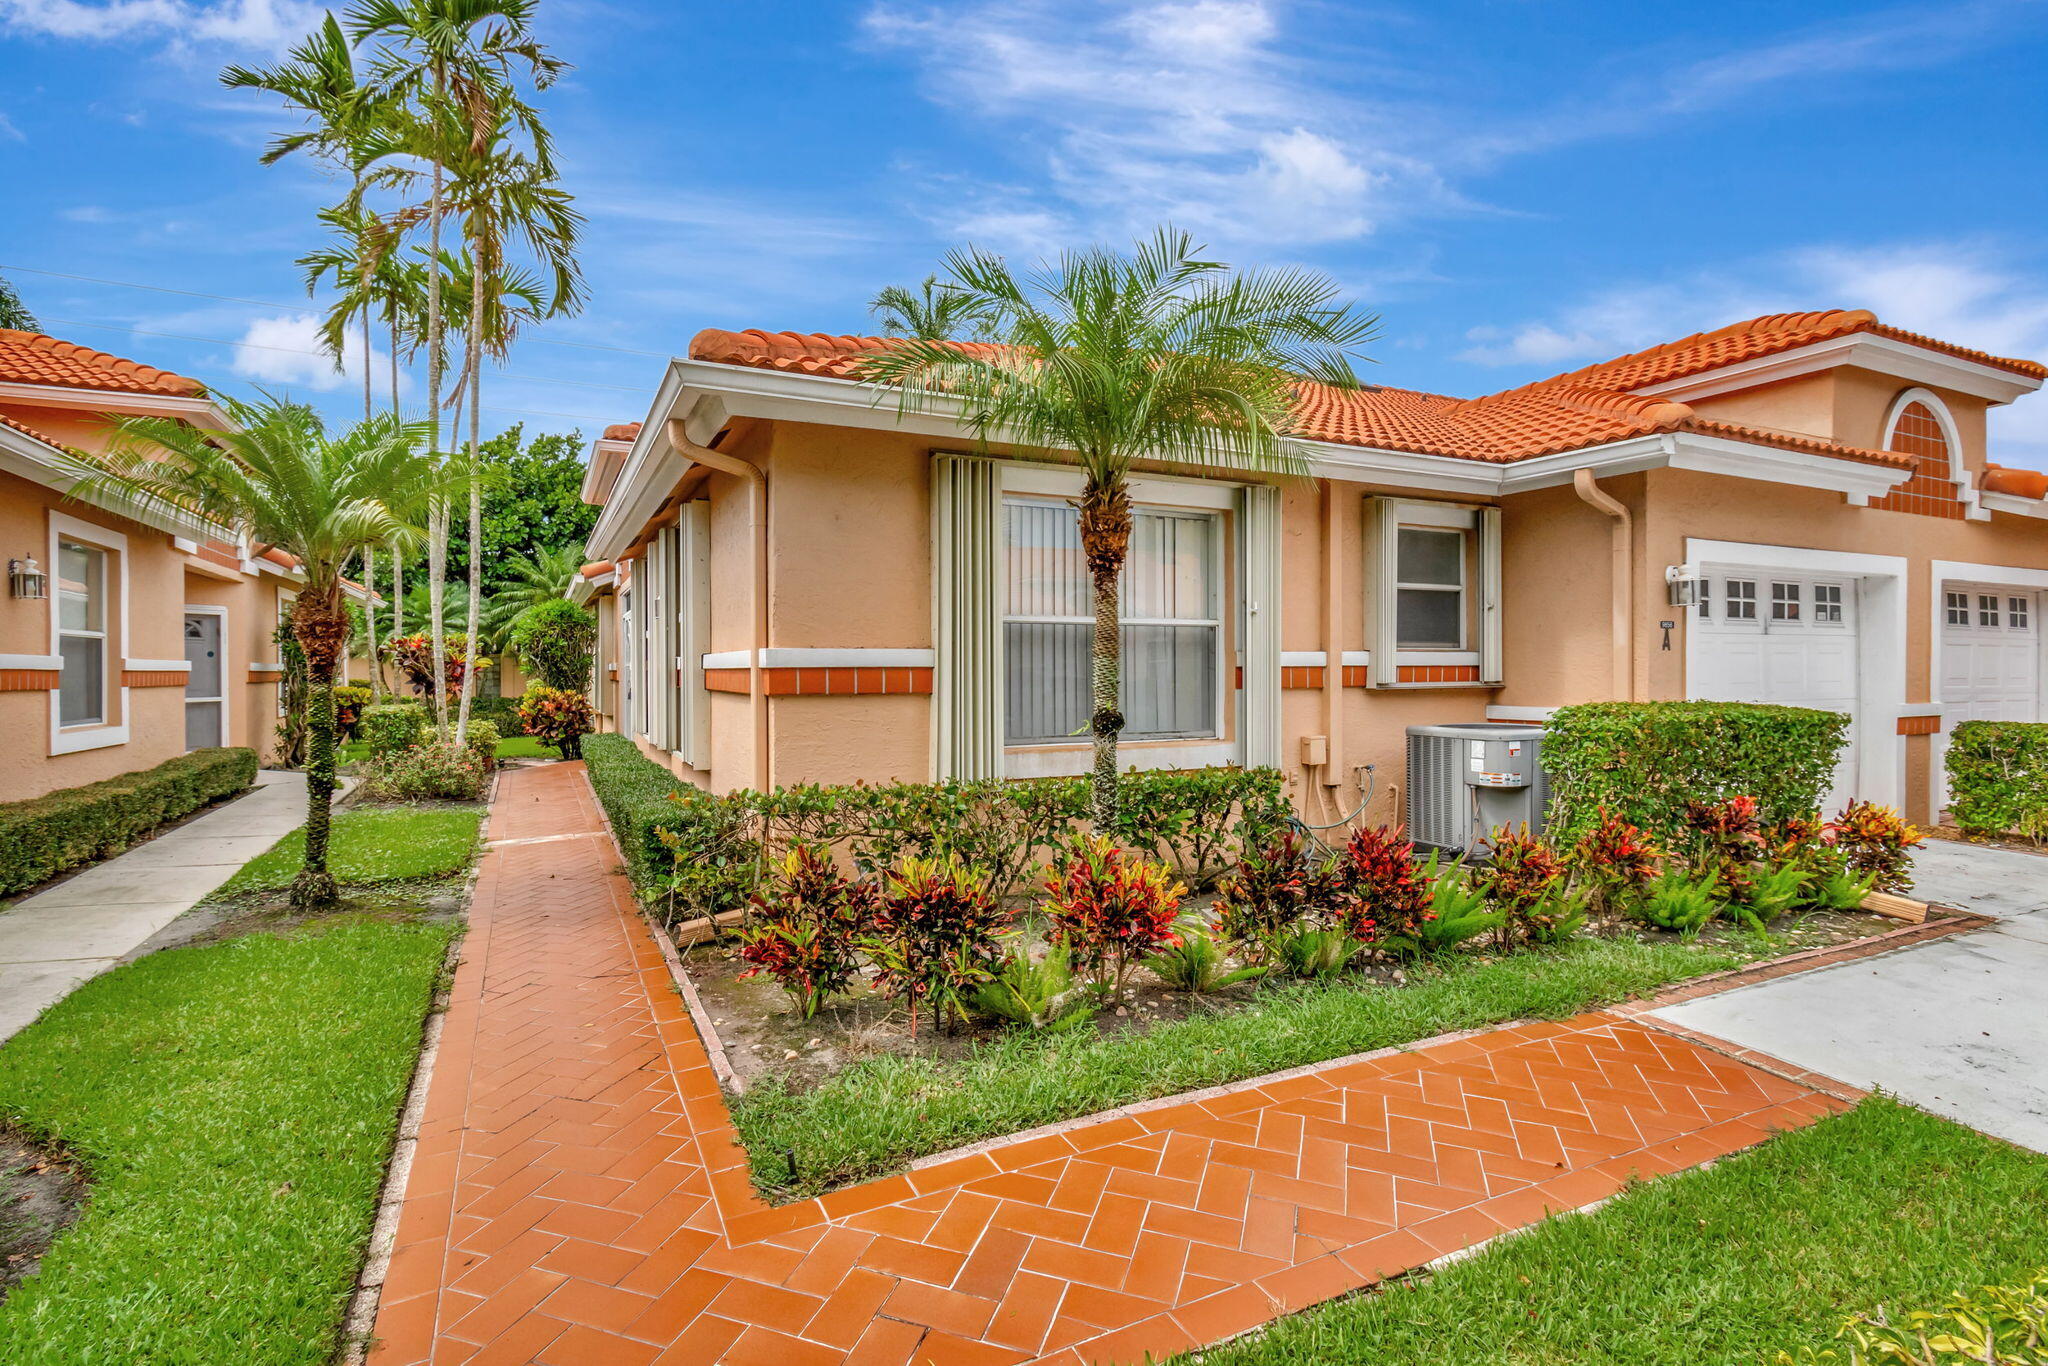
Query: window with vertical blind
82	633
1170	610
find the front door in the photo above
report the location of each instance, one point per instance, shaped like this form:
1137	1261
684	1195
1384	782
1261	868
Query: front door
205	699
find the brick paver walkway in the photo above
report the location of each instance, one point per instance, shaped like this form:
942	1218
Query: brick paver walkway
578	1196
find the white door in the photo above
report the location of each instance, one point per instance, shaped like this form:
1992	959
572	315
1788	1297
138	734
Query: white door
1990	659
204	697
1762	636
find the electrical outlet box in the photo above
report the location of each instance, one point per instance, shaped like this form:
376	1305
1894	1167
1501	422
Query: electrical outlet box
1315	751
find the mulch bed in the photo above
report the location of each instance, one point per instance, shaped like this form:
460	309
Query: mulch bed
41	1193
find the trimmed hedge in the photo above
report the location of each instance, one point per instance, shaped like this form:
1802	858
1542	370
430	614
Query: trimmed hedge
1998	778
391	727
1643	761
45	835
634	792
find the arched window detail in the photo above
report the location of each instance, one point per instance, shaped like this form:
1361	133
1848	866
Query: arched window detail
1916	430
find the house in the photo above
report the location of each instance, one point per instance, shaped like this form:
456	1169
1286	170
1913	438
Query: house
798	584
123	642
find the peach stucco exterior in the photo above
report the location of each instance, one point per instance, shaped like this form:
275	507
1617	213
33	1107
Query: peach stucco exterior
1787	474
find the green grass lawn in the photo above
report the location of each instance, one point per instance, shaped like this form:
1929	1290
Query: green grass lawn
511	747
235	1104
372	844
1767	1252
875	1115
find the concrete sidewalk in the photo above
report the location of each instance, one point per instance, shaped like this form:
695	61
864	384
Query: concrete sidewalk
52	941
1958	1026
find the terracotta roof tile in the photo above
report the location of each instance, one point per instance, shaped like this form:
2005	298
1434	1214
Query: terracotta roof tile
26	430
36	358
596	569
621	431
1568	413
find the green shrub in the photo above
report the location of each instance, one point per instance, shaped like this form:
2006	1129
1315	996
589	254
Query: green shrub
634	792
1998	778
554	640
392	727
502	712
481	740
1643	761
424	773
43	836
2004	1324
557	717
349	701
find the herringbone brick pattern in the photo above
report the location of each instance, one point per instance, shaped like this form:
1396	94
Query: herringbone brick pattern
578	1196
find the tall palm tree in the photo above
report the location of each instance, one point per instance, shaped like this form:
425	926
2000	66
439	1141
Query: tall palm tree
1159	356
449	60
935	313
14	313
278	476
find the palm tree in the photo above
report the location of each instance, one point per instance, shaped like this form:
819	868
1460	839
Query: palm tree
1159	356
451	60
14	313
538	577
935	313
277	475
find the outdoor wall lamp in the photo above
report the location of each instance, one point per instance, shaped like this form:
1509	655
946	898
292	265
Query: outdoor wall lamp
1682	585
24	580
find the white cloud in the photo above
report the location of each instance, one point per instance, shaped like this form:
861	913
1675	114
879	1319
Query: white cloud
286	351
265	25
1970	293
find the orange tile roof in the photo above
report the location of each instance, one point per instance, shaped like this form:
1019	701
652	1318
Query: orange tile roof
621	431
1538	419
26	430
36	358
596	569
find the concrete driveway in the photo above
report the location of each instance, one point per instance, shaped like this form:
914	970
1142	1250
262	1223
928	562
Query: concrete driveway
1958	1026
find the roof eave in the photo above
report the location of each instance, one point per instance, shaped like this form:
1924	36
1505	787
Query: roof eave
1865	350
30	459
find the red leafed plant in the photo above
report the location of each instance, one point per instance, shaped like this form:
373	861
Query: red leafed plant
1111	908
806	928
1615	860
414	656
936	934
1520	875
1727	840
1876	840
1273	888
1380	891
558	718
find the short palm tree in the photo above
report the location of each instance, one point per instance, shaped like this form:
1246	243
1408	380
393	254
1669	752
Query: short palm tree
1109	359
542	576
934	312
279	477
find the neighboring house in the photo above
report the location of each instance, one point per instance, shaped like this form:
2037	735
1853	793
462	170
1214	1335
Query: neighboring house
798	585
154	637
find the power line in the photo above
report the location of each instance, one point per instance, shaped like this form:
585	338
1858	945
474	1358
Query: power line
289	308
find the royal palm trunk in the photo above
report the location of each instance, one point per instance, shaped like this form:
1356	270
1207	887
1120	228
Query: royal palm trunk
1105	542
321	627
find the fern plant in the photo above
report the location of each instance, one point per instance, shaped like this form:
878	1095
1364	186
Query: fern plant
1842	890
1774	893
1200	962
1676	902
1456	912
1036	993
1317	954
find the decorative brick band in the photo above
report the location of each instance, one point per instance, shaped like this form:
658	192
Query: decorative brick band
29	680
152	678
1314	676
266	676
1919	725
857	682
1439	673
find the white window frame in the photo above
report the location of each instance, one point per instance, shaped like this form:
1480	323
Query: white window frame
689	632
1481	597
1460	589
1955	607
1730	599
1990	612
101	734
2019	613
1044	759
1788	601
1830	611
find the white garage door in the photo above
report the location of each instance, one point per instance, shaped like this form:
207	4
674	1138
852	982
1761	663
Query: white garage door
1990	656
1759	636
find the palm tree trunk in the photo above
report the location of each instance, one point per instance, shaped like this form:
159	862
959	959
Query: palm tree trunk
476	513
437	516
321	628
1105	542
370	624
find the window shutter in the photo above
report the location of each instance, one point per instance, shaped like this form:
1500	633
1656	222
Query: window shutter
1490	664
693	635
1259	542
1382	572
661	683
967	714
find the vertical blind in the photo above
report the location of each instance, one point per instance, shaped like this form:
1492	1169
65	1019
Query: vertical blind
1168	610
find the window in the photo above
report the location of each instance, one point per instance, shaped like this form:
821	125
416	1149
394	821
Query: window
629	655
1958	606
1740	597
1987	609
1169	598
82	634
1429	604
1785	602
1827	604
2017	613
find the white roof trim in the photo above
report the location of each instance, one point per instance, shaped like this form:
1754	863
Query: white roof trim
111	401
23	455
1868	351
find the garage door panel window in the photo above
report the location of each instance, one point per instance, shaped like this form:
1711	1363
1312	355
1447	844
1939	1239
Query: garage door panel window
1740	595
1987	609
2018	613
1827	604
1785	599
1957	607
1169	598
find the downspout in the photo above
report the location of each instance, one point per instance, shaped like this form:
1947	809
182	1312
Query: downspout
1333	648
1623	578
757	520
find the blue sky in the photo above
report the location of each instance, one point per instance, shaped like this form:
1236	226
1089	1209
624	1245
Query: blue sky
1517	187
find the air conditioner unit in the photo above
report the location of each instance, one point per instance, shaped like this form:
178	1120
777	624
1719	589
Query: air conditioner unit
1465	779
